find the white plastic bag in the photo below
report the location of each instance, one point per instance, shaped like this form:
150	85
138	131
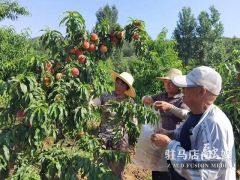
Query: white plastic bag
148	156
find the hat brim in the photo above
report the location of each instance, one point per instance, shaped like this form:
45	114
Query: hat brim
131	91
163	78
183	81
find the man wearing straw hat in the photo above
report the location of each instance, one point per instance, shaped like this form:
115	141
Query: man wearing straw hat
124	91
172	111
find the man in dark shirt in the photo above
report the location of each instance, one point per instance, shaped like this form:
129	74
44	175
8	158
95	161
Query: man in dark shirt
187	127
165	99
164	102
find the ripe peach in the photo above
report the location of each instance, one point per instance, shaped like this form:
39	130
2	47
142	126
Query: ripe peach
85	45
75	72
81	59
94	37
103	48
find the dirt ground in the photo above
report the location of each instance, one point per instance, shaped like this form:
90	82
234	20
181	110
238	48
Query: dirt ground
132	172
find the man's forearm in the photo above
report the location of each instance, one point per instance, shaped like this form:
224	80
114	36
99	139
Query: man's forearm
179	112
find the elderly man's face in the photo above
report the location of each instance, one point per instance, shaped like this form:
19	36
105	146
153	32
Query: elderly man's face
191	95
170	87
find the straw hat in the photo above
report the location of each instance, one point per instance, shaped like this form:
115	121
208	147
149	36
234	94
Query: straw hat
171	74
128	79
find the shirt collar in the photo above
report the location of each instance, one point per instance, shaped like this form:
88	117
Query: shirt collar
176	96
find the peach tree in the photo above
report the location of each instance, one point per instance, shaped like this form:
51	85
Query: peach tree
229	99
48	129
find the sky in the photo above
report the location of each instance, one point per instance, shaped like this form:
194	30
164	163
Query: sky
157	14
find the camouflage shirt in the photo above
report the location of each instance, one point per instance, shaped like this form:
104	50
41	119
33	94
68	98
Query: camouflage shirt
107	125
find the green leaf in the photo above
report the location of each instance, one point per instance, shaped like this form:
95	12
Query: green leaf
6	152
23	88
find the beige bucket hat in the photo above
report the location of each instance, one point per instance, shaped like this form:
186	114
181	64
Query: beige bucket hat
128	79
171	74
